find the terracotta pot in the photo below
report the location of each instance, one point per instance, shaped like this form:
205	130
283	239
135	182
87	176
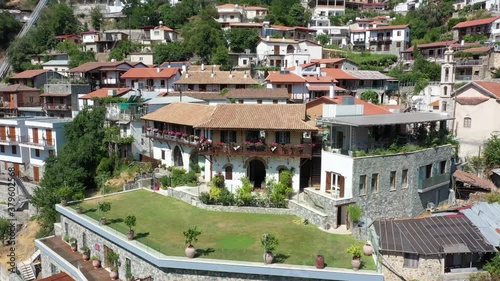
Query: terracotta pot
320	262
96	263
130	234
356	263
368	249
190	251
268	258
86	256
73	248
64	202
103	221
113	275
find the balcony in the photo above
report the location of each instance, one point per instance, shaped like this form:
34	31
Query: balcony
359	42
36	143
189	140
8	140
6	104
469	62
56	106
463	77
252	149
426	184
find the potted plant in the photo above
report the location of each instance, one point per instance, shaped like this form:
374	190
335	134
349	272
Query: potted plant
354	212
96	262
130	222
66	238
259	146
72	242
79	196
65	193
104	207
320	262
85	253
112	259
355	252
269	242
191	236
367	249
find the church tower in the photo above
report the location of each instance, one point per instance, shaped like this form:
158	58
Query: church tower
447	82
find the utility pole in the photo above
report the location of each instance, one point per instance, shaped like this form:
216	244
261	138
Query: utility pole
478	161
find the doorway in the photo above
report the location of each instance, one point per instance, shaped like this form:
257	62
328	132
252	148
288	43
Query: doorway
256	172
178	157
341	215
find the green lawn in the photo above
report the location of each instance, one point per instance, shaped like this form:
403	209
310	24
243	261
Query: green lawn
232	236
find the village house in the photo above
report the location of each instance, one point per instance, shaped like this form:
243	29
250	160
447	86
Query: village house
287	32
466	184
39	59
13	98
35	78
340	63
100	42
103	74
366	4
253	13
286	52
205	80
152	79
489	27
432	248
160	34
237	140
229	13
59	66
386	39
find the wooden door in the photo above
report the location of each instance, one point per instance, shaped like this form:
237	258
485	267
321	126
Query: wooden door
35	135
12	133
36	173
277	50
328	186
48	135
17	169
3	134
341	186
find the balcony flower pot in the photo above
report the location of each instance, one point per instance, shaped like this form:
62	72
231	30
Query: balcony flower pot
73	246
268	258
191	236
356	253
85	253
113	273
368	249
320	262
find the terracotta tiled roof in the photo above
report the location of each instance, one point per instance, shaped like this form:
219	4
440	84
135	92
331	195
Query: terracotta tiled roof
323	88
206	96
402	26
289	117
278	40
478	49
246	24
338	74
219	77
368	108
166	28
434	103
332	60
492	87
102	93
474	180
182	113
151	73
63	276
475	22
320	79
471	100
228	5
27	74
90	32
18	88
263	93
88	66
255	8
431	45
277	77
281	27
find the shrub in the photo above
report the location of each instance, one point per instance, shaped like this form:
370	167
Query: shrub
226	198
355	251
279	193
269	242
493	197
493	267
194	167
245	196
130	221
191	235
355	212
218	180
215	193
166	181
205	198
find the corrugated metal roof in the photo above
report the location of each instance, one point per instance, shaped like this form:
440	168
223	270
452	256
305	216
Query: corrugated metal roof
486	217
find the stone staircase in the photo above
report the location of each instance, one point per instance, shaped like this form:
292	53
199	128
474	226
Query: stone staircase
26	270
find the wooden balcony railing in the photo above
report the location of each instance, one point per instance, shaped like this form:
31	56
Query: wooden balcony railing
287	150
186	139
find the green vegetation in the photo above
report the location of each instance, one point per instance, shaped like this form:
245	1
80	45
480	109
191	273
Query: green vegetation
123	49
355	251
493	267
269	242
355	212
191	235
179	177
370	96
96	18
165	218
9	27
175	51
493	197
130	221
371	61
492	152
242	38
75	53
4	230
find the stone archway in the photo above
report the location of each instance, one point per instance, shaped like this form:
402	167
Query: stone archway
256	172
177	157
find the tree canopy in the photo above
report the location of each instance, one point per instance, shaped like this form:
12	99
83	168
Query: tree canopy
175	51
492	152
9	27
370	96
240	39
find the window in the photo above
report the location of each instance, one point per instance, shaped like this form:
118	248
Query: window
2	148
244	62
157	33
411	261
442	167
283	137
53	269
275	101
404	178
399	33
498	26
392	180
240	101
229	172
14	149
163	154
335	184
128	265
398	44
467	122
374	183
231	17
259	101
141	58
362	185
37	152
476	72
228	136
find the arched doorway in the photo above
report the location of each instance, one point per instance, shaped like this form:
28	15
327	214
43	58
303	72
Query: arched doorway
290	49
194	161
256	172
177	155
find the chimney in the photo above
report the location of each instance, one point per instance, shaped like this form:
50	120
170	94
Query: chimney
161	23
158	69
318	71
184	68
332	91
245	76
202	66
212	74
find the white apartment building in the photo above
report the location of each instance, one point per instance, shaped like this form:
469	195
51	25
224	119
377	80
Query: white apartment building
287	52
386	39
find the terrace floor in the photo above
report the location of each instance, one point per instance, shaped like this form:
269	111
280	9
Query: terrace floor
57	245
228	236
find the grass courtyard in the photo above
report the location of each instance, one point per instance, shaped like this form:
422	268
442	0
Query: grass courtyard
231	236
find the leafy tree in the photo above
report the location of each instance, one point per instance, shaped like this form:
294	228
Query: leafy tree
175	51
454	21
9	27
242	38
221	57
75	53
298	15
96	18
370	96
323	39
59	19
493	267
4	229
492	152
123	49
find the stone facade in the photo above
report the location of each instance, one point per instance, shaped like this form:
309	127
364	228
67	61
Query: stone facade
313	216
429	268
399	201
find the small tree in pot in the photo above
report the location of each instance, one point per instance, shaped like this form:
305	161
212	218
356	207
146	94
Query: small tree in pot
269	242
356	253
85	253
354	212
79	196
130	222
96	261
65	194
191	236
72	242
104	207
112	260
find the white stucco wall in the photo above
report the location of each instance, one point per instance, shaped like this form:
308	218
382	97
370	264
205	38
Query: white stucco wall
339	164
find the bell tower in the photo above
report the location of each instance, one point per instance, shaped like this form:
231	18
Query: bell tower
447	82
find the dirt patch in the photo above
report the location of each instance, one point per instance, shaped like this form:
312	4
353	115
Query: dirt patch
25	243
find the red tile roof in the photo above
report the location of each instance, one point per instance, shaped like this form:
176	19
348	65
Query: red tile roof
63	276
166	28
470	23
27	74
90	32
102	93
431	45
492	87
277	77
88	66
474	180
368	108
325	88
18	88
338	74
478	49
402	26
332	60
151	73
320	79
434	103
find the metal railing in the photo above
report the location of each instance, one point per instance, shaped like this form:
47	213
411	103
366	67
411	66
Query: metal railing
37	141
463	77
287	150
432	181
56	106
469	62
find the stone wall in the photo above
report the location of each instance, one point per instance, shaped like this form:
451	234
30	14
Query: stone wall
399	201
311	215
325	204
429	269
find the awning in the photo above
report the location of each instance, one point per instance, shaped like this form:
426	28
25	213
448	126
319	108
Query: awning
324	88
55	95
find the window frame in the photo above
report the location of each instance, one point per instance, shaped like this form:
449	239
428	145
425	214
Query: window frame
404	178
362	185
467	122
375	187
392	180
410	260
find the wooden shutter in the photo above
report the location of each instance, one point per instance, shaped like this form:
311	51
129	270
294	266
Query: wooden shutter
36	173
12	133
17	169
328	187
35	135
229	173
341	186
3	134
48	136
